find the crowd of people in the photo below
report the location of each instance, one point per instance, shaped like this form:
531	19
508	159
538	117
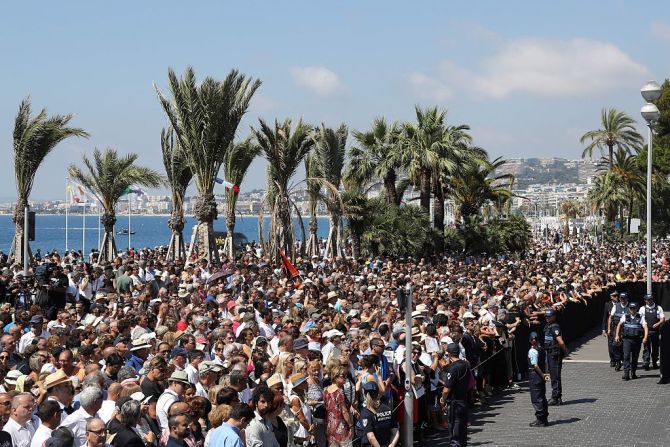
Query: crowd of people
143	351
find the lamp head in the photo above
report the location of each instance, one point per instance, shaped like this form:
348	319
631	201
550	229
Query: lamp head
651	91
650	113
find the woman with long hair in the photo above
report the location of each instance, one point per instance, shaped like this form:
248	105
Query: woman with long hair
339	421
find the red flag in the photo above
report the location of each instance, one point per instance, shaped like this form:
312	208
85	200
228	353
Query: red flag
290	268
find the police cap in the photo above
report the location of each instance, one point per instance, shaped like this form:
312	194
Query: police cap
550	313
634	306
453	349
615	293
648	297
533	336
623	295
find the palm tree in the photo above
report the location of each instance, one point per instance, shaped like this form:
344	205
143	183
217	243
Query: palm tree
179	176
355	209
284	147
313	189
376	156
608	193
617	131
237	162
477	184
422	147
109	177
455	153
632	179
205	118
34	139
329	154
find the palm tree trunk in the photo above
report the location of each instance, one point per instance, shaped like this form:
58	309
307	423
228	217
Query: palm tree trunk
630	211
391	191
203	244
283	238
313	243
230	238
108	245
611	151
19	222
438	215
177	248
356	244
621	220
333	236
424	196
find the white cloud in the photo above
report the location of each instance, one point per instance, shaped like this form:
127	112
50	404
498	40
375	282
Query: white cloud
320	80
540	67
429	88
660	30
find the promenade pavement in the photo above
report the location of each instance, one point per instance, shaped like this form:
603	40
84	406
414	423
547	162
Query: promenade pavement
599	408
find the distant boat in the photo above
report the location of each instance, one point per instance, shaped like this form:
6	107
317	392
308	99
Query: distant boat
125	232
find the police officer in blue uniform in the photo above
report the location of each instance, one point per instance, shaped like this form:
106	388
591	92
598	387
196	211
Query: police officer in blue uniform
655	318
617	312
614	299
555	349
455	396
632	329
537	381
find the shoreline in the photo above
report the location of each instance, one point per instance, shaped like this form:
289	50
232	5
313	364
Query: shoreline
119	216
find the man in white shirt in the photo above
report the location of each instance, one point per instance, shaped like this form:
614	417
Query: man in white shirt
264	324
91	401
21	426
174	393
36	330
49	413
655	318
195	357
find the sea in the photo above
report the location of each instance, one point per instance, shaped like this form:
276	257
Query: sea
150	231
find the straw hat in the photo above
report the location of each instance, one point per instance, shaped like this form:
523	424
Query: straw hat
56	379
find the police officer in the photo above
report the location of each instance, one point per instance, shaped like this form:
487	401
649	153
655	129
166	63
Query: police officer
633	330
555	349
617	312
455	395
655	318
537	379
614	299
378	426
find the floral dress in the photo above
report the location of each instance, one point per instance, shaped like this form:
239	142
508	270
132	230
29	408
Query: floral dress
337	429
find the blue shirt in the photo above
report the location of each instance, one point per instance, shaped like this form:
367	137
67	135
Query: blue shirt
226	435
136	362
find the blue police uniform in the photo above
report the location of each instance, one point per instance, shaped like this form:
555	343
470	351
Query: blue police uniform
554	360
632	334
652	314
618	311
537	384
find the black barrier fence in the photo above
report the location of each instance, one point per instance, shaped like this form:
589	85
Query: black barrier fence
578	318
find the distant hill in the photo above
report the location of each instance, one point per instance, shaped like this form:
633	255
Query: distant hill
530	171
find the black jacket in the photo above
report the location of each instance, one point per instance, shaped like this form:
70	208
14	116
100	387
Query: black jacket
126	437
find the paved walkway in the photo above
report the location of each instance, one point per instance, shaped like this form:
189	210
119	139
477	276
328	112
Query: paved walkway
599	408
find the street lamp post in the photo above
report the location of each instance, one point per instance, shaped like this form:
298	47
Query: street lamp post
650	91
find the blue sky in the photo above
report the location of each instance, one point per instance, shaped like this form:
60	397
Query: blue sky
528	77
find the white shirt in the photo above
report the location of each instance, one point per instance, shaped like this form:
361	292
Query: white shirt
192	373
105	412
41	435
27	338
266	330
21	436
201	391
164	401
77	423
